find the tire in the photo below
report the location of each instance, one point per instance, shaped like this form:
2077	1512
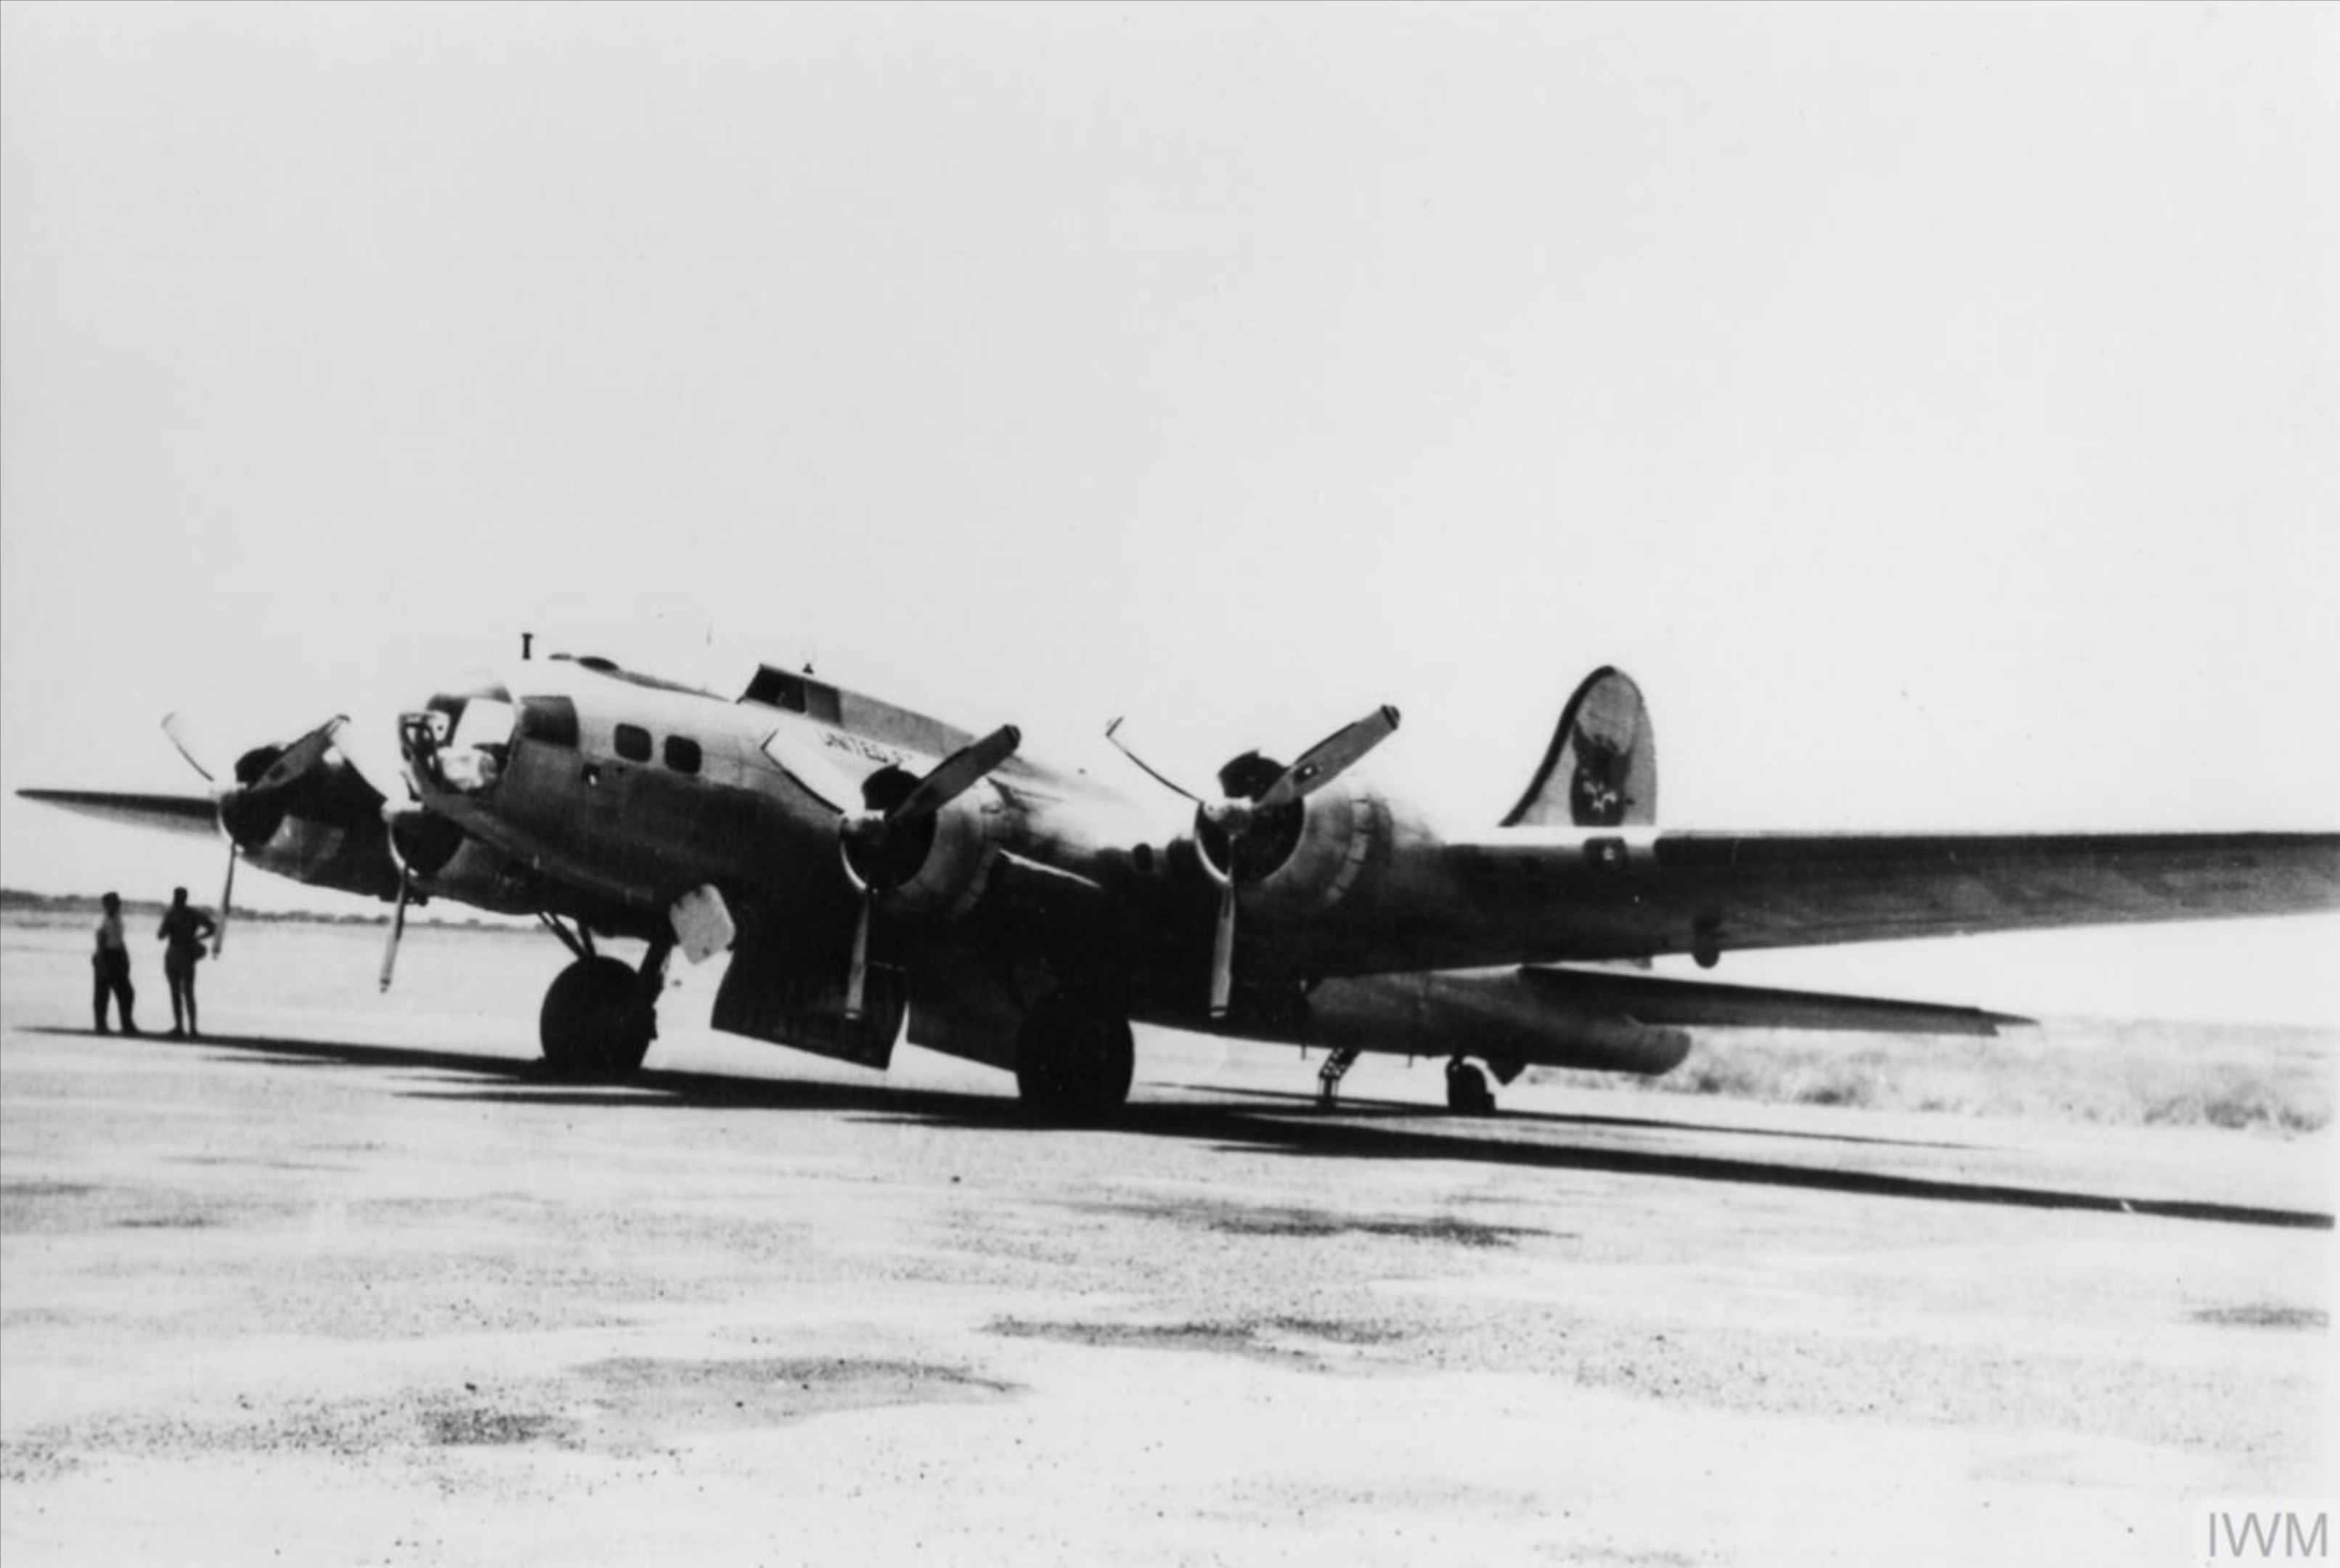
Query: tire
590	1027
1074	1062
1466	1090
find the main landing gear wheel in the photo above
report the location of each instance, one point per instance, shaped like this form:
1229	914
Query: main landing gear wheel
594	1023
1467	1093
1072	1063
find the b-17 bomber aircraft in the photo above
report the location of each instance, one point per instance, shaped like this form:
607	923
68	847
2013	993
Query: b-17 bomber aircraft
874	873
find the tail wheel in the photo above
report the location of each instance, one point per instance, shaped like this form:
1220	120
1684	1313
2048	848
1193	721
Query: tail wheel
1073	1062
592	1024
1466	1090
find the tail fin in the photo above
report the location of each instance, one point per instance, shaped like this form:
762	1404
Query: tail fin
1601	768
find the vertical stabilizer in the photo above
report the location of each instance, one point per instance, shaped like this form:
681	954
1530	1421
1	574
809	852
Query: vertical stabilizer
1601	768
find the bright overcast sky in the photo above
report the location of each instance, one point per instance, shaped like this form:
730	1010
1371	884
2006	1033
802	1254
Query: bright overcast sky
1936	411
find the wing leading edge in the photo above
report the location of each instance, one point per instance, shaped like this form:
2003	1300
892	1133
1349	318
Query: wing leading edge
192	814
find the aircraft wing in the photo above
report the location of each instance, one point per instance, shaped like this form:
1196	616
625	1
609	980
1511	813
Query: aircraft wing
195	814
1593	896
1649	999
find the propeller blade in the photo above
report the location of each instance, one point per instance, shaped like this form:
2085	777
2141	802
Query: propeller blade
397	930
183	736
1113	733
301	756
227	900
1332	756
857	976
1223	953
957	774
372	754
800	757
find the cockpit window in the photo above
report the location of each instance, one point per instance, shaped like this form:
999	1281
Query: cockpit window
777	689
682	753
793	694
633	742
458	694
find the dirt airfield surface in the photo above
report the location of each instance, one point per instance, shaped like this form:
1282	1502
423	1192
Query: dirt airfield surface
352	1281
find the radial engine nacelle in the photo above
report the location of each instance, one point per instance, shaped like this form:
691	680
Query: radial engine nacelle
1303	858
301	809
924	844
1264	839
443	861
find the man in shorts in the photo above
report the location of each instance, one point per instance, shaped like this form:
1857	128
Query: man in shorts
184	929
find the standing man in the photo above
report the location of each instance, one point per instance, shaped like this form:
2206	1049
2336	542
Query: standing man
184	930
110	966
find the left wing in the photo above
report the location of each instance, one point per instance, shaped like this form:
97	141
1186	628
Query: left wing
195	814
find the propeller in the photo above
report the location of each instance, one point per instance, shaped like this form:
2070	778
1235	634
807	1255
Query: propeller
370	749
397	929
184	737
420	845
384	772
883	845
1239	832
250	792
227	900
297	760
190	746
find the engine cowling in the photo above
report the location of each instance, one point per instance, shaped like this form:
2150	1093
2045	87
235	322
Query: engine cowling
443	861
1299	859
931	866
923	844
1261	839
302	811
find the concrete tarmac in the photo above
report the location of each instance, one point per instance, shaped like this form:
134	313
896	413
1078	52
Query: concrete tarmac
353	1283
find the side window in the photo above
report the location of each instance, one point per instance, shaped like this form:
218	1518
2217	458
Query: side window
551	719
633	743
682	753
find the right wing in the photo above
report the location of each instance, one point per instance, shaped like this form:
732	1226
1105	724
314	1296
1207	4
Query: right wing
1611	896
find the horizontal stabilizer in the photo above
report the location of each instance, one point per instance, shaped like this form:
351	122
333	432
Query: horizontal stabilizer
196	814
1646	1000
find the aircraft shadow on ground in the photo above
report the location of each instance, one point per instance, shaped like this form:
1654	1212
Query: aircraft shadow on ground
1286	1129
1352	1107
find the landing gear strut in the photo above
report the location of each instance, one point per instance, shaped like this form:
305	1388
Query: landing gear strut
1073	1060
600	1015
1328	1077
1467	1093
